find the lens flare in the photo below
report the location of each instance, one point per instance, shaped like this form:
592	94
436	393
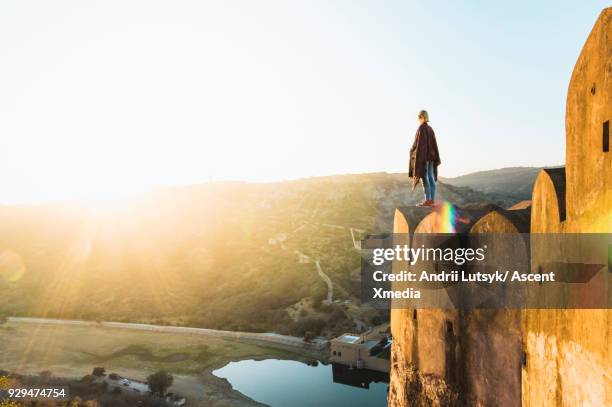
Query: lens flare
12	267
447	217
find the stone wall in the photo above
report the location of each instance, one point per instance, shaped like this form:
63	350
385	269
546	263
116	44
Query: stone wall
569	352
588	108
532	357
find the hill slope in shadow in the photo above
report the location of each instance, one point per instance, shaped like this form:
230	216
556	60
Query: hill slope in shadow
513	182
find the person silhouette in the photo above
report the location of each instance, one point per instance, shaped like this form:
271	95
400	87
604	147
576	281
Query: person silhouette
424	160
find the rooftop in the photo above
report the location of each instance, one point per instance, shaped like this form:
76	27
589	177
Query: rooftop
348	338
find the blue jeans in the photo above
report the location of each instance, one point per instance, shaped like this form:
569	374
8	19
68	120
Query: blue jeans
429	182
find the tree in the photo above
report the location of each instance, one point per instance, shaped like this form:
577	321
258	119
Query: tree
159	382
88	378
318	292
99	371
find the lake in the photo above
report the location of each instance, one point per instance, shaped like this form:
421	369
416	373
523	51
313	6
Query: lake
281	383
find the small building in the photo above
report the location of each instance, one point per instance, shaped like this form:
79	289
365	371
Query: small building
370	350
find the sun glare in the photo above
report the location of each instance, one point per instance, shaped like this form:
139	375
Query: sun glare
110	198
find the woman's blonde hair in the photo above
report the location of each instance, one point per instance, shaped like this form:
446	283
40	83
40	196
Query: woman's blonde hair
423	114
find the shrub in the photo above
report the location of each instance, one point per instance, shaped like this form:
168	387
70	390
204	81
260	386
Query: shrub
88	378
98	371
160	382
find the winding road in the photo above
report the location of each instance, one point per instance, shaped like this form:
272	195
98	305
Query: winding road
325	277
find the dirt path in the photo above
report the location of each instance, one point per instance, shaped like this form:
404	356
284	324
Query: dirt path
267	338
325	277
330	286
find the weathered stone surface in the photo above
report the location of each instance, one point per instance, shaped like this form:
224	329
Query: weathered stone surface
568	352
409	386
504	221
454	357
548	201
589	106
521	205
567	358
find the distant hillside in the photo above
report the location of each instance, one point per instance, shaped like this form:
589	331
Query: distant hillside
227	255
514	182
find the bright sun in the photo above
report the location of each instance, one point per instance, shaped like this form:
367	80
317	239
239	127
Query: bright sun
110	196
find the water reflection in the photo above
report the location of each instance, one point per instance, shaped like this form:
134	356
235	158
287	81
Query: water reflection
357	377
281	383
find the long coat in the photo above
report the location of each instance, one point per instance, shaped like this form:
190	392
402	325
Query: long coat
424	148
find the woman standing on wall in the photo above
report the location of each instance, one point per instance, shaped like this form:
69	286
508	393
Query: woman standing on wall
424	159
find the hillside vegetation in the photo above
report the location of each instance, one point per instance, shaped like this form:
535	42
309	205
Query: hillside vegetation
231	255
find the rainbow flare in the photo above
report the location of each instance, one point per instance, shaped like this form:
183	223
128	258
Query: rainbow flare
447	218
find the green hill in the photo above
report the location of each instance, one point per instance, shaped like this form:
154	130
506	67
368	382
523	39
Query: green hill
220	255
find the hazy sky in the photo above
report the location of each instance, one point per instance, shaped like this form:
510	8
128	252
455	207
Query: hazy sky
105	97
